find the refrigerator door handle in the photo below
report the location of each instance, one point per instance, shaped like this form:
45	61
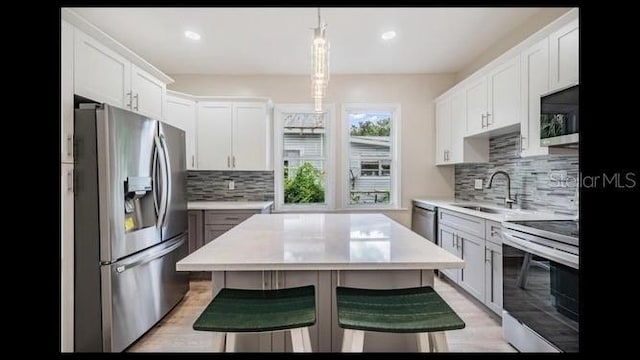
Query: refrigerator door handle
163	175
168	185
145	259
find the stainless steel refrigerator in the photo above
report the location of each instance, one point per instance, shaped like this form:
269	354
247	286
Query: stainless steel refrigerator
130	225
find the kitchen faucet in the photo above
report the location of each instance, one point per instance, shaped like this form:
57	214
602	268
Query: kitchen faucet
508	201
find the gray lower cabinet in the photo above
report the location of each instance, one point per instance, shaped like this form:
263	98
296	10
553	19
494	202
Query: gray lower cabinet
479	243
206	225
195	230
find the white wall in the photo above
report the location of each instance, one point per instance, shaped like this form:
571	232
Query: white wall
414	92
513	38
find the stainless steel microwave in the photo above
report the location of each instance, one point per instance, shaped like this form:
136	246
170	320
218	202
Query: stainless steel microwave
559	117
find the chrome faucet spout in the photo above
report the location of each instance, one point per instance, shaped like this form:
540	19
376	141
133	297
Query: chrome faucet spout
508	201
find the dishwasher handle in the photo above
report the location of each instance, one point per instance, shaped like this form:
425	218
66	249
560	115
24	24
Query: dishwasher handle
423	211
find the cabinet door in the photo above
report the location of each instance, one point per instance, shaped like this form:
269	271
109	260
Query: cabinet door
493	277
477	106
534	82
563	55
195	228
443	131
66	92
148	93
250	137
181	113
213	138
447	241
504	95
101	74
213	231
458	126
66	255
472	275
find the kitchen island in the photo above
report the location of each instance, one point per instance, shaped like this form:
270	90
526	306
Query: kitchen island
270	251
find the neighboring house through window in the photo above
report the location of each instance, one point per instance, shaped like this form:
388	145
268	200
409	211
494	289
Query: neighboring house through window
303	166
370	155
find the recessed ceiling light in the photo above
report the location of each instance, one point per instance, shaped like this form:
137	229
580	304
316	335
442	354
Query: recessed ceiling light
192	35
388	35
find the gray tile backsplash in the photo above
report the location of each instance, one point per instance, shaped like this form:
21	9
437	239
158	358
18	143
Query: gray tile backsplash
544	183
213	185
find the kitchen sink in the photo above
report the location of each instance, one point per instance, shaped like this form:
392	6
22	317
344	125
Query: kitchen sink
481	209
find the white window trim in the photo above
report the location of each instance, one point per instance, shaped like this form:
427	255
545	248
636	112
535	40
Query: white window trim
395	110
329	194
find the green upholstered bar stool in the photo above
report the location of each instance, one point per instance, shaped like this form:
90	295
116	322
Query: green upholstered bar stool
418	310
235	311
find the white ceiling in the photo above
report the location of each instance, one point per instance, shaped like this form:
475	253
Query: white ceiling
277	40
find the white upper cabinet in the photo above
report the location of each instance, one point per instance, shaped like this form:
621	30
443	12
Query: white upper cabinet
233	136
250	137
493	100
66	92
181	113
535	81
103	75
148	94
213	139
443	131
477	106
504	95
458	125
563	55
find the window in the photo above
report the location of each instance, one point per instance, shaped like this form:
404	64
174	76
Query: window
370	154
303	165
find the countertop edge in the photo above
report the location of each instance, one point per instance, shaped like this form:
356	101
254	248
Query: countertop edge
445	203
319	267
228	205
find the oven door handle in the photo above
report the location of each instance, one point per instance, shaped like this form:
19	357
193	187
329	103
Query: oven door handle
546	252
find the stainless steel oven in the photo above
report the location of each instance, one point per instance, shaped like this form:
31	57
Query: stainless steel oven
540	285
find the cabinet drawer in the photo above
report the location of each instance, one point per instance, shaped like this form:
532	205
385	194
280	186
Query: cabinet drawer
467	223
213	231
494	232
226	217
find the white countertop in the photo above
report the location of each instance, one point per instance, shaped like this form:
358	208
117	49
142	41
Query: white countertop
228	205
507	215
319	242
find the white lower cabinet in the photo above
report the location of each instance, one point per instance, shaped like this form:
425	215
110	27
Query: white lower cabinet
493	277
472	275
464	236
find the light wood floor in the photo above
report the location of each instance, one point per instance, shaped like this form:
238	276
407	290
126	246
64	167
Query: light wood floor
482	333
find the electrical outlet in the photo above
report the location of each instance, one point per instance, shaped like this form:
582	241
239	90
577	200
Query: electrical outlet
232	185
478	184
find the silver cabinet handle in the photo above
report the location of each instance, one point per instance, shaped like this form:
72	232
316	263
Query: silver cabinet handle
70	181
483	117
129	104
69	144
228	162
487	258
193	161
137	101
234	161
489	123
522	143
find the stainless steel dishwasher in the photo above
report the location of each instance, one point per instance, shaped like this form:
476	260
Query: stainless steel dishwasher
423	221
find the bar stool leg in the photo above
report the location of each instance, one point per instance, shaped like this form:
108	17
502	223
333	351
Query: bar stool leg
297	341
352	340
218	341
439	341
306	339
423	342
231	342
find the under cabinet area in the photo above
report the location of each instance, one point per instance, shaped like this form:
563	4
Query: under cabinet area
479	243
